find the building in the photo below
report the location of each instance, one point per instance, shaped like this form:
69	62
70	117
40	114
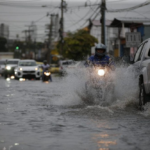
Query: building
112	35
116	31
129	25
4	31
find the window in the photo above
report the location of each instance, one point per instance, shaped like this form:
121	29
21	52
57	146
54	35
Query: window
139	52
27	63
144	49
149	53
12	62
2	62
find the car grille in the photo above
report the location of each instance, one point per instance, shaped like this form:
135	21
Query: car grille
28	72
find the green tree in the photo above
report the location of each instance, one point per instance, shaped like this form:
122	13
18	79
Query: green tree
78	45
3	42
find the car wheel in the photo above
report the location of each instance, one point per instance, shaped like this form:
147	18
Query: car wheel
6	76
38	78
142	97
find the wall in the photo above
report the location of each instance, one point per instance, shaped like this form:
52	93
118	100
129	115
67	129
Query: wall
5	55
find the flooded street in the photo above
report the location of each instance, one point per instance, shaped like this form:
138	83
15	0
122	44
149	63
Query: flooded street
52	116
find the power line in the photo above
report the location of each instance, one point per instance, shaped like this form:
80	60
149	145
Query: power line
83	18
129	9
27	6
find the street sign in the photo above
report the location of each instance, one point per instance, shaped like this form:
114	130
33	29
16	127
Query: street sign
133	39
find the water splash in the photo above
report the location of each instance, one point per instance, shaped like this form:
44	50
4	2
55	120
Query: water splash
126	87
73	88
146	111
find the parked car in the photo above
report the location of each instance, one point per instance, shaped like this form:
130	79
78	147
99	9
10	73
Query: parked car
2	66
9	67
141	63
27	69
64	64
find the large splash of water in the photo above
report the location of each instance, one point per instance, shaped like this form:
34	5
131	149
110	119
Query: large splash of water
72	89
126	87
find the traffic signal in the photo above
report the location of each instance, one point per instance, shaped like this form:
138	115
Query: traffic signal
17	47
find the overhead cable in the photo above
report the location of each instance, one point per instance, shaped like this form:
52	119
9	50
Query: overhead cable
129	9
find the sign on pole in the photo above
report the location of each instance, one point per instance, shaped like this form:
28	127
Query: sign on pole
133	39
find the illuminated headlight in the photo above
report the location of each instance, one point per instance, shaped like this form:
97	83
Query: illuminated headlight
8	67
47	73
12	77
101	72
36	69
20	69
22	79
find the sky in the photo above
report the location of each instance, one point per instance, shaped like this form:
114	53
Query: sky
19	14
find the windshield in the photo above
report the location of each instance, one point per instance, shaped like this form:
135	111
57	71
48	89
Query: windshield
12	62
27	63
68	63
2	62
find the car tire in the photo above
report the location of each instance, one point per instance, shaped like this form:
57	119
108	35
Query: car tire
5	76
38	78
142	97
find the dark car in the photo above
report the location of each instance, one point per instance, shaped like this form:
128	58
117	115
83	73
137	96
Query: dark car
9	67
2	66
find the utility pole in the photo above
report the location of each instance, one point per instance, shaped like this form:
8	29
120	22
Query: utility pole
50	39
102	20
62	27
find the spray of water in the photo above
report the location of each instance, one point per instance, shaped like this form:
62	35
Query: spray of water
72	89
126	87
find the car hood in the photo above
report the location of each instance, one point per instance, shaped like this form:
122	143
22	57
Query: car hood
28	68
12	65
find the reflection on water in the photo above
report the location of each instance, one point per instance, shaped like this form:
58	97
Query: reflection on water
46	82
106	143
103	141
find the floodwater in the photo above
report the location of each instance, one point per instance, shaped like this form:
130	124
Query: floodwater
53	116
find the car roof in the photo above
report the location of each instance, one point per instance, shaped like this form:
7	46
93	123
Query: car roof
27	60
66	60
12	59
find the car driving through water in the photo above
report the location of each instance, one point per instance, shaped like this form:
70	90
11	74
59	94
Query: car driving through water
27	69
9	67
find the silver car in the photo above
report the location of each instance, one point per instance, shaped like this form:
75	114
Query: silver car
27	69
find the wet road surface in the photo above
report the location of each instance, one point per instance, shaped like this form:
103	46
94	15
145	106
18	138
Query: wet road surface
52	116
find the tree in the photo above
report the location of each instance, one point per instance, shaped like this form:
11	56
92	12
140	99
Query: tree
78	45
3	42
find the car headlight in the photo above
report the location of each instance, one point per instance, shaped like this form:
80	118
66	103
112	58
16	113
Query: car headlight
20	69
101	72
47	73
8	67
36	69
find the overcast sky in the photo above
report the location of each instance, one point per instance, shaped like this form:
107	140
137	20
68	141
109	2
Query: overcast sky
19	14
